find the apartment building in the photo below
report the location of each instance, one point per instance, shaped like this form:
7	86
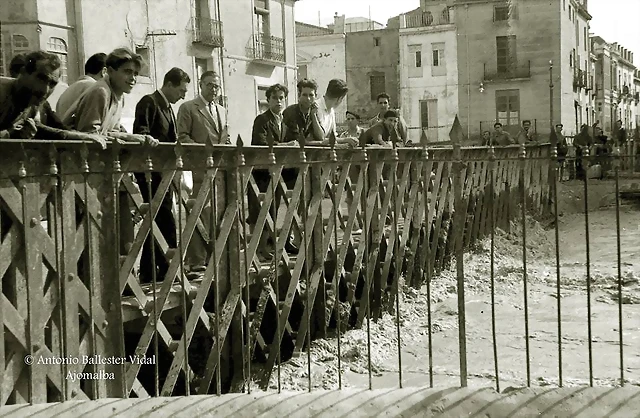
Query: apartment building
503	63
251	43
428	94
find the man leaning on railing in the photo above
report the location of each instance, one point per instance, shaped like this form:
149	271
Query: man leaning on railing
24	111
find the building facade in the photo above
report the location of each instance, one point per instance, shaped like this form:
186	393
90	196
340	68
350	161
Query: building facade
250	43
617	90
372	68
504	63
428	94
321	56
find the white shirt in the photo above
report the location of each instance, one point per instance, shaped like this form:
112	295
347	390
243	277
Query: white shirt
326	117
72	94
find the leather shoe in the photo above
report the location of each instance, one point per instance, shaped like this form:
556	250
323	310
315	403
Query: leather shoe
291	248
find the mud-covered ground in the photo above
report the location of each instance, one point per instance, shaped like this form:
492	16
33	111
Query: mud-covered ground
509	311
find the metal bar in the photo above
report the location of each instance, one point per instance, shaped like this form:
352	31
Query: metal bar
585	159
213	201
396	252
523	205
154	278
428	184
55	183
117	176
187	378
336	273
492	220
276	278
92	329
459	252
303	159
247	302
364	242
619	264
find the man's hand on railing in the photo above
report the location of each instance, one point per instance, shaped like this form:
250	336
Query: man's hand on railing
293	143
347	142
82	136
25	129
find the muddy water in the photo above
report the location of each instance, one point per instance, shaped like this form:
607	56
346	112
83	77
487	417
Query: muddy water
543	318
509	312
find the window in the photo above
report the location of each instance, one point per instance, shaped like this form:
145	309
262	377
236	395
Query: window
437	59
58	46
570	13
429	118
571	59
586	38
263	104
506	53
376	41
377	85
302	71
143	51
508	107
415	54
500	13
20	44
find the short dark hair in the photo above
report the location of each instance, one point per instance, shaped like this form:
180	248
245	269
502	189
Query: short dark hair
121	56
337	88
176	76
390	114
382	96
355	115
559	125
526	121
276	88
486	132
209	74
497	124
17	64
33	58
96	63
307	83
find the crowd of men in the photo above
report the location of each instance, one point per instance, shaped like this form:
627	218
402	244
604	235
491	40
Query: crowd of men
91	110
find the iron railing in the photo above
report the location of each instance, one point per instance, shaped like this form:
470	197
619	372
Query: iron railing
375	228
509	72
426	19
263	47
207	32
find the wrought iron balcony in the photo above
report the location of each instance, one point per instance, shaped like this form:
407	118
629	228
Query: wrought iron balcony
510	72
426	19
266	48
579	78
206	32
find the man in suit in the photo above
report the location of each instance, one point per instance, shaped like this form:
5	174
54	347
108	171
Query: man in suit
269	129
202	121
154	116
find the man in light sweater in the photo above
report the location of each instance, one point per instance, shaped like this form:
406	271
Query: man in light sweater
95	69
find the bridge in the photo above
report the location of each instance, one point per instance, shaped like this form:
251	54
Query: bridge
372	221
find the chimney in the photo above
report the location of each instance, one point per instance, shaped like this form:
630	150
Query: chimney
338	23
402	21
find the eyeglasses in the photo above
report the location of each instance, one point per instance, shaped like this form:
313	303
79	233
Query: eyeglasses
212	86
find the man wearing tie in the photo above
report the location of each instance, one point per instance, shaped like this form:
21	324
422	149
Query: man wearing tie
154	116
202	121
269	130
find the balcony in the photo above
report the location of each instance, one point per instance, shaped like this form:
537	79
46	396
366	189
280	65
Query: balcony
428	19
515	71
207	32
636	97
579	78
265	48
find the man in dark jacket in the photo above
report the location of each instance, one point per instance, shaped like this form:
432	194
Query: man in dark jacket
269	129
155	117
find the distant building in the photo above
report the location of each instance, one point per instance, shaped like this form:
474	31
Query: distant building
428	94
249	42
357	24
503	63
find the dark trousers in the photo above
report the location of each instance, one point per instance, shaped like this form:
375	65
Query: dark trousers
167	225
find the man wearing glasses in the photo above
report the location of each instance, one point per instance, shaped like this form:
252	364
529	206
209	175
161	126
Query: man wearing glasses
202	121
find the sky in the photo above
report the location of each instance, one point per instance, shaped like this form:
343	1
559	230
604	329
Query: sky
613	20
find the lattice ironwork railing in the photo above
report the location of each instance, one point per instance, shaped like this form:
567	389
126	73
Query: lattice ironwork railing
360	219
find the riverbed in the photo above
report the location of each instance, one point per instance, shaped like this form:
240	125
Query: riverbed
542	315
